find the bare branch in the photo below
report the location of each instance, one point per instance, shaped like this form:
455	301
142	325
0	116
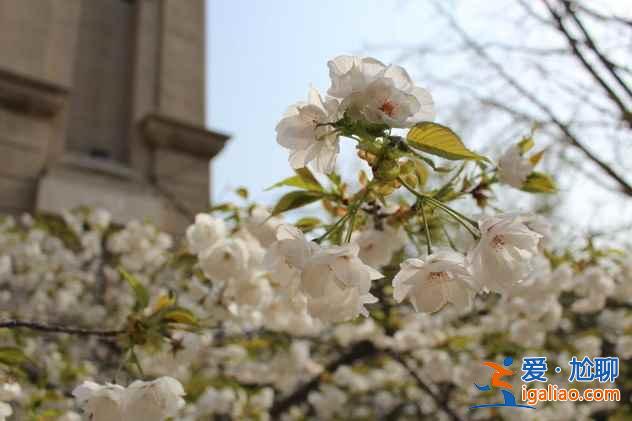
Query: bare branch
423	386
359	351
590	43
43	327
597	15
624	186
626	115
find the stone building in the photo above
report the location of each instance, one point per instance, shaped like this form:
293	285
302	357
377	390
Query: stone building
102	104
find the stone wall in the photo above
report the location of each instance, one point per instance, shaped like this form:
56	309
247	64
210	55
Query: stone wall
102	104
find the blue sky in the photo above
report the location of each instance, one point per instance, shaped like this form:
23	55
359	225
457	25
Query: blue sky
262	57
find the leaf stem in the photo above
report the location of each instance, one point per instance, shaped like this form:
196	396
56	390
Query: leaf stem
331	229
426	230
354	210
448	238
461	219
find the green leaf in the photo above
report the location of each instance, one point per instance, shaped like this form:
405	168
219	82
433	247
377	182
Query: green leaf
12	356
308	177
439	140
535	158
181	316
428	161
49	414
295	199
526	144
538	182
308	223
447	193
242	192
304	179
222	207
140	292
421	172
335	179
459	343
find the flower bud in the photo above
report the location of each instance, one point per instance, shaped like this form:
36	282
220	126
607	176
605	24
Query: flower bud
387	170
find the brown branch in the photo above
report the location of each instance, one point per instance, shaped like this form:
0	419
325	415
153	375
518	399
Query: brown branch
397	410
42	327
423	386
359	351
624	186
626	115
590	43
526	6
597	15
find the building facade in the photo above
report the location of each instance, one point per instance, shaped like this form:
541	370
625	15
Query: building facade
102	104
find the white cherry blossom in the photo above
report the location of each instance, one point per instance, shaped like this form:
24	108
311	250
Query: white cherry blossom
382	102
5	411
378	93
593	287
377	246
252	292
337	283
503	255
304	130
70	416
351	74
101	402
327	401
155	400
227	259
286	257
205	232
514	167
262	225
433	282
10	391
6	267
216	401
288	313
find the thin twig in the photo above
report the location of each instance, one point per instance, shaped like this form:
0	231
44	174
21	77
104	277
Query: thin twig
626	115
590	43
43	327
359	351
606	18
423	386
624	186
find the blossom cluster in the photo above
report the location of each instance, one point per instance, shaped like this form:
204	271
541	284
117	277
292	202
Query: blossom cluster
255	315
550	308
363	88
155	400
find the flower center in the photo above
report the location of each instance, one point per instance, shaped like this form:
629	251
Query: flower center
498	242
438	276
388	108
